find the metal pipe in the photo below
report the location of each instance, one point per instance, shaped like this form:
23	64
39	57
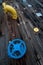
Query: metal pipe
8	8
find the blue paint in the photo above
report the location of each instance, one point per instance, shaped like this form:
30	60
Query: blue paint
24	1
16	49
29	5
39	14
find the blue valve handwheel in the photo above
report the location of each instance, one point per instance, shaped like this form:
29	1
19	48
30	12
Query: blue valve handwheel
16	48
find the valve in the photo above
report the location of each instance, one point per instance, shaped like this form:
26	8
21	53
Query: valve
16	49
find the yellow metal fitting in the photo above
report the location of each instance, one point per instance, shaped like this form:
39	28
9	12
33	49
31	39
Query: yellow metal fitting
36	29
8	8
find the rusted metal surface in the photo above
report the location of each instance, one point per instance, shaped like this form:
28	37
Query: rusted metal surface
13	33
12	28
18	30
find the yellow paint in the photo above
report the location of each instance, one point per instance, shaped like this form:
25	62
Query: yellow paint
8	8
36	29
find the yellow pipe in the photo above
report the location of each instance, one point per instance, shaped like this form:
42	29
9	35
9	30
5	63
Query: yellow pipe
8	8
